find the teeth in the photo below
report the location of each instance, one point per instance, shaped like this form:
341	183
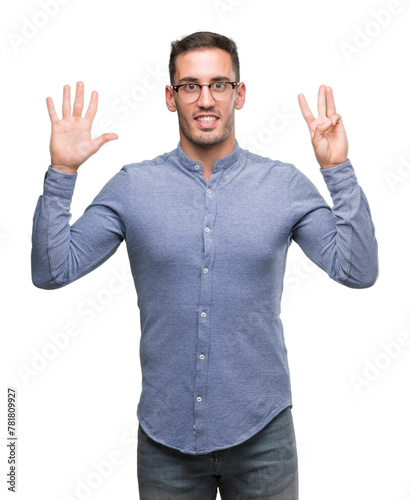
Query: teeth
206	119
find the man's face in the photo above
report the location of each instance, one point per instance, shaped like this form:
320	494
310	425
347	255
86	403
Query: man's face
205	66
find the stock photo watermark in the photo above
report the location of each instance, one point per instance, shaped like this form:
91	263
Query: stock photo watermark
31	26
87	310
102	470
266	135
373	368
399	175
223	7
296	275
363	35
121	107
12	439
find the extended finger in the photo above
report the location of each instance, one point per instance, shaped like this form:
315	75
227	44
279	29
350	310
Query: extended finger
51	111
66	101
321	101
92	107
307	114
79	99
331	107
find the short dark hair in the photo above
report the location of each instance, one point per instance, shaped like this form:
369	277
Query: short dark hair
202	40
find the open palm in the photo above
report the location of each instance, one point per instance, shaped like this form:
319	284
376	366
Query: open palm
71	143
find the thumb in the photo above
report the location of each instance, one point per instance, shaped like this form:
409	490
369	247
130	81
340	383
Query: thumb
100	141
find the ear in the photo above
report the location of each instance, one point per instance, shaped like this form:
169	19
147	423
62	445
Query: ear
169	98
240	96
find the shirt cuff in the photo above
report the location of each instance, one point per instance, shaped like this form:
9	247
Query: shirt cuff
343	173
59	184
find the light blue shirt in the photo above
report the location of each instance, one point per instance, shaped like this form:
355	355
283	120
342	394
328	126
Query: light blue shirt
208	261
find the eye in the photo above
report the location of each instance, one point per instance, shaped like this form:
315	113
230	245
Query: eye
190	87
219	86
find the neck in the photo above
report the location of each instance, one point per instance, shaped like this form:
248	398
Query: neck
207	155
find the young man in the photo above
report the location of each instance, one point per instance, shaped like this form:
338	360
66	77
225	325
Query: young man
207	228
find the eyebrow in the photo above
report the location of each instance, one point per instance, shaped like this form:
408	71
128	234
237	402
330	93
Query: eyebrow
215	79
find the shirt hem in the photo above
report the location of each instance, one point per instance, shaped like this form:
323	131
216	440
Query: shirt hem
255	430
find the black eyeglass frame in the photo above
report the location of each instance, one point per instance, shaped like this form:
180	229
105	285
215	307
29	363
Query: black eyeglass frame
209	85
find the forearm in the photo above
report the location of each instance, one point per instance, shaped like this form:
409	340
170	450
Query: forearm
340	240
51	230
62	253
356	244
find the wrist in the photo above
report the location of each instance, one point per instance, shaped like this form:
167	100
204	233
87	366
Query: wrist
64	168
331	165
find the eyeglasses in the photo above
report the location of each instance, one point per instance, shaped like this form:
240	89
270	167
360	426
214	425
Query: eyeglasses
190	92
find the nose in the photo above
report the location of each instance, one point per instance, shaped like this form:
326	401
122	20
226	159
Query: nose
205	99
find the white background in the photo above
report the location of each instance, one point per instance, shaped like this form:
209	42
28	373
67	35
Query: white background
77	409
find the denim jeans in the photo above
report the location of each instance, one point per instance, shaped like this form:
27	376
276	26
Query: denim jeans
262	467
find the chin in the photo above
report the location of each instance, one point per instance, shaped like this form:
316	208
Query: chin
207	138
204	137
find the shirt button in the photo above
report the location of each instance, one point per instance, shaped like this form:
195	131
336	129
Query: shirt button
203	314
197	167
207	229
208	191
201	356
205	270
199	399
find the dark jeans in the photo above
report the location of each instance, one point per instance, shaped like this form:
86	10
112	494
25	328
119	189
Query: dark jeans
263	467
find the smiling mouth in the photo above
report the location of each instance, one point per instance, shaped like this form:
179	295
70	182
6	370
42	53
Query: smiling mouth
206	119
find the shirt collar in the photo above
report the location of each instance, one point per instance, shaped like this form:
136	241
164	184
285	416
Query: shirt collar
224	162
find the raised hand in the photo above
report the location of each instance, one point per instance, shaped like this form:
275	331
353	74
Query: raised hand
327	130
71	143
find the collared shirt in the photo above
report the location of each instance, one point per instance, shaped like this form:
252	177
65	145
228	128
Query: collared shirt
208	262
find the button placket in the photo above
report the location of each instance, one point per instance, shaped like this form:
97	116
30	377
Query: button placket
205	306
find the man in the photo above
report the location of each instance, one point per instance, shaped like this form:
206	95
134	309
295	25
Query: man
207	228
